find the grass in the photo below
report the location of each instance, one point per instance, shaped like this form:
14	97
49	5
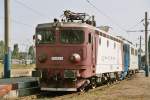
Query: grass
0	64
17	66
22	66
1	67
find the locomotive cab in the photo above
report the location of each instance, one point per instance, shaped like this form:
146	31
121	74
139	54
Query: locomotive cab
64	55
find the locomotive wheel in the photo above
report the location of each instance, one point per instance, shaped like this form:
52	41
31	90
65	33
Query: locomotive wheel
108	84
81	89
93	86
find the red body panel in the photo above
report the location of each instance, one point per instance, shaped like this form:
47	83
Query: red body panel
62	51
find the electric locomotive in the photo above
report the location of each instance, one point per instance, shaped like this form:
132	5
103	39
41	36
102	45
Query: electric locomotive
72	54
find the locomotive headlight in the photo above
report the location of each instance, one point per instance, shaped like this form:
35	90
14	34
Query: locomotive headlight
75	58
42	57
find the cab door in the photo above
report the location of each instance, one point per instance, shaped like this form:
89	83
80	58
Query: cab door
126	56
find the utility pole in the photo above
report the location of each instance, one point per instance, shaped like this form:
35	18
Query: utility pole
140	53
7	59
146	47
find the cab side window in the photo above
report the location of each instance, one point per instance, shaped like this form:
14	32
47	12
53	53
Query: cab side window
99	41
90	38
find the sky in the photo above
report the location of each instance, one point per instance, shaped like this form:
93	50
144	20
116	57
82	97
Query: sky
121	15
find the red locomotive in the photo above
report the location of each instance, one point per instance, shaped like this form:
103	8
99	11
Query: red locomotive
73	54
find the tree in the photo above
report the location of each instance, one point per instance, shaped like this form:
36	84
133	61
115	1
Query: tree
31	52
1	50
15	53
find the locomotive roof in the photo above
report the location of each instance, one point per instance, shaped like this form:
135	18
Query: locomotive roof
74	24
64	24
127	42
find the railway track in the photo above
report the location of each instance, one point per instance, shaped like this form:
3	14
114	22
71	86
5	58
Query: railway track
68	95
64	95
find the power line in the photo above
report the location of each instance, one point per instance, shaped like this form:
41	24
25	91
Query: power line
136	24
136	31
30	9
18	22
101	12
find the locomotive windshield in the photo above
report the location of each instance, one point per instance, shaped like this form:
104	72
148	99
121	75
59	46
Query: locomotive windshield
72	36
47	36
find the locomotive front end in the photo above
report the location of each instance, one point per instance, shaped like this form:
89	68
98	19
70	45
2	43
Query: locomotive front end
61	56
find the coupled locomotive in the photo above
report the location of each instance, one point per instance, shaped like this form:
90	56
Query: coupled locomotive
74	54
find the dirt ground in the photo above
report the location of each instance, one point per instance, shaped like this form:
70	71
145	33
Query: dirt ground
137	88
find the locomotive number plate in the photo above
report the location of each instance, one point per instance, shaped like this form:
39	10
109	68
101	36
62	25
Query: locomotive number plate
57	58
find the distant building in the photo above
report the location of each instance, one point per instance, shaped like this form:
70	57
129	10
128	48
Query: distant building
22	61
17	61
